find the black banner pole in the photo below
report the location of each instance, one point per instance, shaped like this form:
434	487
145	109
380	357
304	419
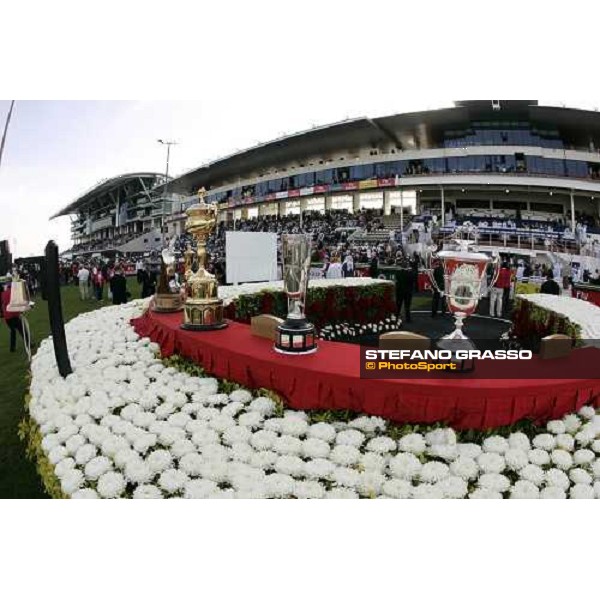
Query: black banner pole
57	325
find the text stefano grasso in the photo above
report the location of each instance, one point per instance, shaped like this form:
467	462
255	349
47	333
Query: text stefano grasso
448	354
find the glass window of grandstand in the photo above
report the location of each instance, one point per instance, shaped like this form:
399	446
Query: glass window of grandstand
405	200
362	172
371	200
292	207
342	203
316	204
253	212
237	214
269	208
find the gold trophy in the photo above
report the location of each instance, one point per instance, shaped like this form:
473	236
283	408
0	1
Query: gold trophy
202	309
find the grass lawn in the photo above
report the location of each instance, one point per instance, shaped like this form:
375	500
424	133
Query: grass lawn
18	477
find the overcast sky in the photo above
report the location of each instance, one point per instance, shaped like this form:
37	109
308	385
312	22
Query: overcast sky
255	72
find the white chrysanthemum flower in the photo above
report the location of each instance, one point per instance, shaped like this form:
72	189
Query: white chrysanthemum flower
465	468
556	427
587	412
434	471
50	441
85	454
341	493
215	452
182	447
584	457
318	468
137	471
557	478
495	443
397	488
516	459
85	494
221	423
581	491
279	485
491	462
236	435
57	454
562	459
96	467
586	436
290	465
252	420
315	448
111	485
350	437
273	424
216	470
426	491
242	452
287	444
572	423
216	399
172	480
143	419
524	490
469	450
544	441
538	457
371	461
370	483
263	440
232	409
405	466
445	451
346	477
381	445
243	396
368	424
533	473
71	481
581	476
565	441
74	443
147	492
485	494
595	447
179	420
143	443
205	437
66	464
494	482
345	455
294	426
552	493
309	489
159	460
595	467
413	442
199	489
453	488
191	463
264	406
321	431
440	437
264	459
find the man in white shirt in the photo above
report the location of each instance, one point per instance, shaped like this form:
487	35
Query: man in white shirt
84	276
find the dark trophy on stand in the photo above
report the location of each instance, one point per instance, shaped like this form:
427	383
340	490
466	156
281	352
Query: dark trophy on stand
296	335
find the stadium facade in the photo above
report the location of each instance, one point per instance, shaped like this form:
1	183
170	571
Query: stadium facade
488	158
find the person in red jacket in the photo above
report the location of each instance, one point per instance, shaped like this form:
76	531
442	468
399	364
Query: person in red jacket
12	318
498	291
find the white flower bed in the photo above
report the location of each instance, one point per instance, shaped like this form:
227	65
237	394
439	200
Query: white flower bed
579	312
124	425
230	293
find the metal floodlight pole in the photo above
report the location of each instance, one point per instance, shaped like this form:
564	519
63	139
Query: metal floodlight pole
10	110
168	144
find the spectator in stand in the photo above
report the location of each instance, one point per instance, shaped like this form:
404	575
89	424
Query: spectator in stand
374	266
550	286
498	291
348	266
83	278
567	275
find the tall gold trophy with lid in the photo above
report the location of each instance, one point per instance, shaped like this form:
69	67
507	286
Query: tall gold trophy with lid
202	309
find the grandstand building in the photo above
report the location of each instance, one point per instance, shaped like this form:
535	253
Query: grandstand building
118	214
487	161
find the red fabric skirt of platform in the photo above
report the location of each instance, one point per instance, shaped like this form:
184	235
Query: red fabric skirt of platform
330	379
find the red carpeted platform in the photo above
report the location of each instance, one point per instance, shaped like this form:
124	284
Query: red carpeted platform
330	379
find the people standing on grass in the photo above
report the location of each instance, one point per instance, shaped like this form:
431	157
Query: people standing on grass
404	287
99	284
497	293
550	286
118	286
438	298
84	282
12	319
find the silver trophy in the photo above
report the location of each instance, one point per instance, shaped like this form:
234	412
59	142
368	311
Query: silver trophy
465	279
296	335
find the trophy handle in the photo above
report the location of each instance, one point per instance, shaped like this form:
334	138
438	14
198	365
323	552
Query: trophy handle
496	264
429	271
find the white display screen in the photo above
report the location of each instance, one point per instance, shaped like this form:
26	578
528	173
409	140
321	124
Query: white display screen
250	256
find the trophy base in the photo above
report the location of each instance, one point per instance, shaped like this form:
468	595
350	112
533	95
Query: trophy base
167	303
200	327
296	337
